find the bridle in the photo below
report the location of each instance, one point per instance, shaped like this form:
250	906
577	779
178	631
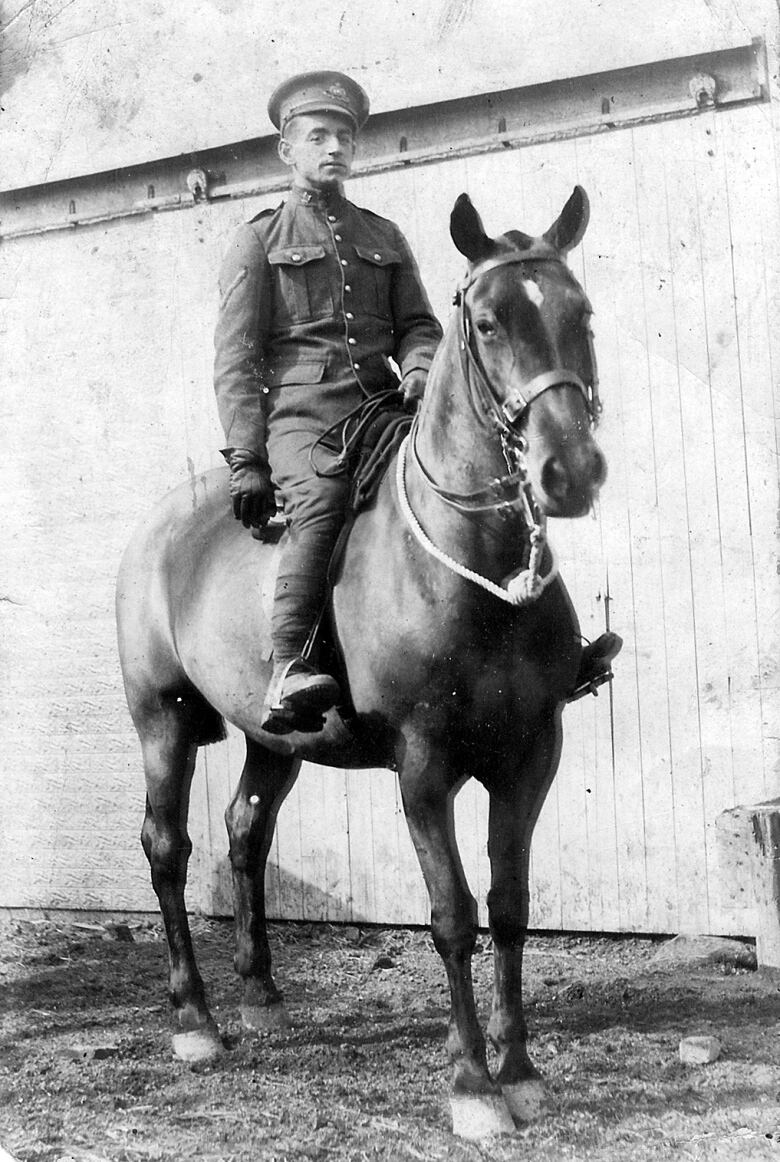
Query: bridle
512	492
505	416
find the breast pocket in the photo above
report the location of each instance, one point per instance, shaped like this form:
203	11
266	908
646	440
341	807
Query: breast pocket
303	283
376	266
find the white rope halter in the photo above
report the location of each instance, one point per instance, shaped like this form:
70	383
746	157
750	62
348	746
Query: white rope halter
521	589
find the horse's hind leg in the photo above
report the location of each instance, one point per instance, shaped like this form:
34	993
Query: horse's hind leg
251	817
514	808
169	750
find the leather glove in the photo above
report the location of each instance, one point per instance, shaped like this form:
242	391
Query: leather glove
412	388
250	488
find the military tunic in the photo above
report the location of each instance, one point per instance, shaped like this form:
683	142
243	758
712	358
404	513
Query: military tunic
316	297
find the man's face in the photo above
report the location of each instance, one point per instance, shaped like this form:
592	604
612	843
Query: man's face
319	148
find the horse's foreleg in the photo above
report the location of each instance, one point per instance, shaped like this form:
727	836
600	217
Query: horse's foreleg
477	1106
169	761
250	818
514	808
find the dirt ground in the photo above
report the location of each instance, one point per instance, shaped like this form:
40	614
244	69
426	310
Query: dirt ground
86	1073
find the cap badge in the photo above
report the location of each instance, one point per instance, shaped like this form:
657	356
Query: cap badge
337	91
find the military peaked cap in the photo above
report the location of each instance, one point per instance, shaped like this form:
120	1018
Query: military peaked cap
321	92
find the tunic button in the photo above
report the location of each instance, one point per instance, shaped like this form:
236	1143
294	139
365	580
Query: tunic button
337	237
356	366
343	262
350	315
352	342
331	217
296	257
347	288
377	257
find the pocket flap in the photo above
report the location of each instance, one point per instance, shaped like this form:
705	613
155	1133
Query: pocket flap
378	255
295	371
295	255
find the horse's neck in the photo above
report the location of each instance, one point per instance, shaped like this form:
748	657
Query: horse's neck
458	448
455	441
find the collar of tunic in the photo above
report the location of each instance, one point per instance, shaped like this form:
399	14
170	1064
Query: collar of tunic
332	200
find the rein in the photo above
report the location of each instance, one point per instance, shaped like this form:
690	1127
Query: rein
521	589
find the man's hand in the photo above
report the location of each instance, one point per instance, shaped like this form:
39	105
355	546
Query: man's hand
250	489
412	388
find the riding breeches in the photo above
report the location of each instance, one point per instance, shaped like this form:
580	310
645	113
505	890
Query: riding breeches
315	508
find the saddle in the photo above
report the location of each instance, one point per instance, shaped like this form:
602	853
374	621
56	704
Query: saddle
368	463
381	440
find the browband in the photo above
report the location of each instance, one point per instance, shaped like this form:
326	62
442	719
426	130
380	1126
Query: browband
533	254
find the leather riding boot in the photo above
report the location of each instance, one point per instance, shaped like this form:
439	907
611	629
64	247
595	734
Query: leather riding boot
298	696
596	665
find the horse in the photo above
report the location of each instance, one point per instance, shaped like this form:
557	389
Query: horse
451	630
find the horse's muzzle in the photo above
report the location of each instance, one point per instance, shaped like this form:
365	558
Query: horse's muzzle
569	484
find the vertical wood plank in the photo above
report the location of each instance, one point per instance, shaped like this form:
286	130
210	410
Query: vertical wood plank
754	217
288	859
629	529
654	165
613	582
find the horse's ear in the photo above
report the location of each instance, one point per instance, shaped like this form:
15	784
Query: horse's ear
569	227
467	231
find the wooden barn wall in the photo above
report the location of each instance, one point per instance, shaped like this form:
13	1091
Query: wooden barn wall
108	402
83	94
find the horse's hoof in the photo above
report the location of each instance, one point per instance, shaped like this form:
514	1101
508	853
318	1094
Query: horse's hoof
265	1018
527	1101
479	1115
197	1046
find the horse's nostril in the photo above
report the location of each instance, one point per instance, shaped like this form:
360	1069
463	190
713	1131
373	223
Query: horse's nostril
554	479
599	468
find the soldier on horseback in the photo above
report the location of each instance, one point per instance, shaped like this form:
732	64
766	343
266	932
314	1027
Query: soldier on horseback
457	638
316	297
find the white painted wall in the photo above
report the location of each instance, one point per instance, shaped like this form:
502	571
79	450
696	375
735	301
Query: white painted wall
107	401
92	85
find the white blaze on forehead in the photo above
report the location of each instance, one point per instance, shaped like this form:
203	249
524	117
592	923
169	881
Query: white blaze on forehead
533	292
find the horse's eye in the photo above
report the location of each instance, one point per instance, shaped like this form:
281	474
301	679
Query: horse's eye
485	327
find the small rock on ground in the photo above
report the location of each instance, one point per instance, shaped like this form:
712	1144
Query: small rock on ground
706	950
699	1050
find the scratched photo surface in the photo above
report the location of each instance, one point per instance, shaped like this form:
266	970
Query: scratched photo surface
134	141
